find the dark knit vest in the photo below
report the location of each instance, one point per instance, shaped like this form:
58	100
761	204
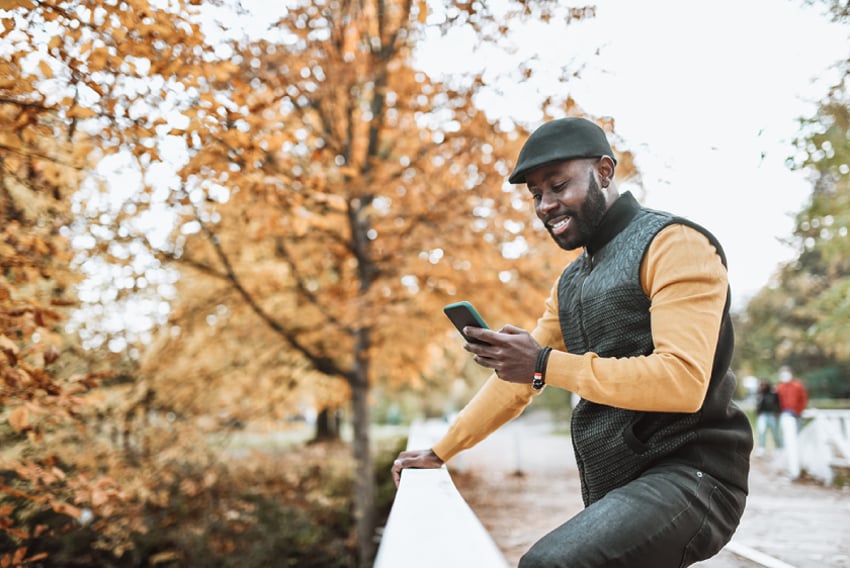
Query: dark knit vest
604	310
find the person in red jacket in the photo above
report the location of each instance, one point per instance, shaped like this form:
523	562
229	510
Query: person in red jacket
793	396
793	399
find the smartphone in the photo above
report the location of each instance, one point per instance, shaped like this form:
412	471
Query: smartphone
463	314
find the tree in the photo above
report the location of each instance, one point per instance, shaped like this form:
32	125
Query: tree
70	92
801	317
40	165
325	189
343	197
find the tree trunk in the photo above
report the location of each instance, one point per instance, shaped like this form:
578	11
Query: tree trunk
327	426
364	486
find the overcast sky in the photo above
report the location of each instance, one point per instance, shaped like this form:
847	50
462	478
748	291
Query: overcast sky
706	94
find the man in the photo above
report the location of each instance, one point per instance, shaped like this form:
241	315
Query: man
639	327
767	416
793	396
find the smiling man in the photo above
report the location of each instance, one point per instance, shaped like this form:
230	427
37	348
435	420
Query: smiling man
639	327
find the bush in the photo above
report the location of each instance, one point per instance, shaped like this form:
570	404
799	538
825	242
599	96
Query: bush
287	509
828	382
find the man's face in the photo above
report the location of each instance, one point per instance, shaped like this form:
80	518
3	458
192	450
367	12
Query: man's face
568	200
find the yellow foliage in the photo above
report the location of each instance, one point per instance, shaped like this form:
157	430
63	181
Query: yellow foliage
12	4
48	148
19	419
45	69
80	112
422	8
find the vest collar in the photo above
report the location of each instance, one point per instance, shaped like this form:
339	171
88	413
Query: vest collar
617	218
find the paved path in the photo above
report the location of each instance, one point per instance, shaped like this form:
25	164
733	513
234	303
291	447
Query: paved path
522	482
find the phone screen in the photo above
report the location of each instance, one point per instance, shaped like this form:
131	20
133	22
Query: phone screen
463	314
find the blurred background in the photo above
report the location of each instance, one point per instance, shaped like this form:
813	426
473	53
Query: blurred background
229	228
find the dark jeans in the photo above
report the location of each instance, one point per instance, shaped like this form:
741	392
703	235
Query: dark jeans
672	516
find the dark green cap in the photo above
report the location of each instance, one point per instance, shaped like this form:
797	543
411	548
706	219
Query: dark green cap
561	139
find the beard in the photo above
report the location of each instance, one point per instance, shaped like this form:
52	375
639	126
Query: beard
586	219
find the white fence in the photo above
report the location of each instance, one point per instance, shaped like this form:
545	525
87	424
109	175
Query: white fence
822	445
430	524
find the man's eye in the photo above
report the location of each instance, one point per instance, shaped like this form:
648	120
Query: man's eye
559	187
536	197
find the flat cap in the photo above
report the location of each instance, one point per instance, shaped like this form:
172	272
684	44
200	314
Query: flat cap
561	139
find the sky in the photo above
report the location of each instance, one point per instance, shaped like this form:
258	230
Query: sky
707	95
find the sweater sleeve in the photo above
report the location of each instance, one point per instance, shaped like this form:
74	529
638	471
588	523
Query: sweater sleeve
498	401
687	284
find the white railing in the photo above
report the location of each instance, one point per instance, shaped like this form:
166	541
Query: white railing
430	524
822	445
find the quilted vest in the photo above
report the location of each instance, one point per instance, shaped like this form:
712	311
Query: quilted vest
604	310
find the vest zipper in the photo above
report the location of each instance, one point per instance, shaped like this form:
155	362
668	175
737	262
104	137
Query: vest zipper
587	268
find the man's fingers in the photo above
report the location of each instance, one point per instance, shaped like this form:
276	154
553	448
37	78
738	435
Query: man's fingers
398	465
481	334
493	338
402	462
414	459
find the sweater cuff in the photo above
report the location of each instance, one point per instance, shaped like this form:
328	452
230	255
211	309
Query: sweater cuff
443	451
559	372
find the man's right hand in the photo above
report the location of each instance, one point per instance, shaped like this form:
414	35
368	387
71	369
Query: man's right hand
417	459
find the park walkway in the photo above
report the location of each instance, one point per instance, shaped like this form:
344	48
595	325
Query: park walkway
522	482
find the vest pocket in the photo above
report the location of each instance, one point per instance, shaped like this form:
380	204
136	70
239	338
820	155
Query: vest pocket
658	432
639	431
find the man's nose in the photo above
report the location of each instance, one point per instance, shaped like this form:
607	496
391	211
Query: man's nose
548	201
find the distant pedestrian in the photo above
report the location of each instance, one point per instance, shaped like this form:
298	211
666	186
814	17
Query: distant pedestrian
793	396
767	416
793	399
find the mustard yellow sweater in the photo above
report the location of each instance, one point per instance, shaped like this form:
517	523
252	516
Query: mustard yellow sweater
687	283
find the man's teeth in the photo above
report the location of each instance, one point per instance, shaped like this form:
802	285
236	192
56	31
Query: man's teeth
560	223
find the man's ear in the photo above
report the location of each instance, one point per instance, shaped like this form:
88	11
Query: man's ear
605	170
